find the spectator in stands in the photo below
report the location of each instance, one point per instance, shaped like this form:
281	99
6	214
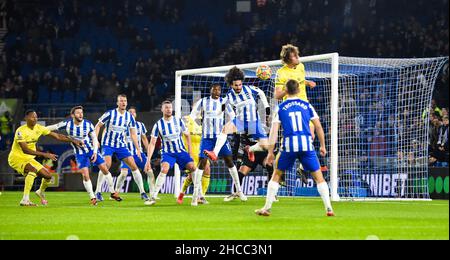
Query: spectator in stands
378	148
85	49
435	125
6	131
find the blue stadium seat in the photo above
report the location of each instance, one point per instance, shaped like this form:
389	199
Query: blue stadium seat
55	97
43	95
68	96
80	96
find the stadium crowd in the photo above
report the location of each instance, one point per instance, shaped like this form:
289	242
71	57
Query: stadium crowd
49	52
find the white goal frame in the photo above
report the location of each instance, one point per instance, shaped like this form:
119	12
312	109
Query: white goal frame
334	108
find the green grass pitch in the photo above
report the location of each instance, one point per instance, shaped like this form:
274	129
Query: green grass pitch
70	215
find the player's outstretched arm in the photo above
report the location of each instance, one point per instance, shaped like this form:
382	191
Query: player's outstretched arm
321	136
65	138
310	84
53	127
29	151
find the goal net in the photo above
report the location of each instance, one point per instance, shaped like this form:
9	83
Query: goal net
373	112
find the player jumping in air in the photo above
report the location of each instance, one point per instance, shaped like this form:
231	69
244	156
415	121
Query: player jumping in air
295	70
294	116
116	123
213	121
23	154
83	130
247	120
170	129
141	132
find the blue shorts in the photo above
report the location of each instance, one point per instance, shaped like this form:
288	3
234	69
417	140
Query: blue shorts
84	160
140	164
182	159
209	144
121	153
253	129
309	161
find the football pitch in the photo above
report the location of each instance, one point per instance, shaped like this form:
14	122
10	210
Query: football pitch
69	216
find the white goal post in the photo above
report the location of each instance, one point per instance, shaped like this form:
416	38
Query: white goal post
334	57
374	113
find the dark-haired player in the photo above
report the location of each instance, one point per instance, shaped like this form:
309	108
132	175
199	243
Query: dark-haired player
247	121
23	153
213	121
83	130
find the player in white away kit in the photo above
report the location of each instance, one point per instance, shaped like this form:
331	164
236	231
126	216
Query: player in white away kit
81	129
247	120
116	123
212	123
170	129
141	132
294	116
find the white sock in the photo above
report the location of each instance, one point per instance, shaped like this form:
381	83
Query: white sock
256	148
159	183
151	182
26	197
272	191
197	177
88	187
110	181
235	176
100	179
121	179
221	140
325	194
137	176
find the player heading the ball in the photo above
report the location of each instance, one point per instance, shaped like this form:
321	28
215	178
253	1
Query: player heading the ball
247	121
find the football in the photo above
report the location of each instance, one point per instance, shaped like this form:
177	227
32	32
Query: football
264	72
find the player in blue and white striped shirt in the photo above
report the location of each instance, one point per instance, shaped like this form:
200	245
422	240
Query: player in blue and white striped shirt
170	129
81	129
116	123
141	132
247	121
213	122
294	116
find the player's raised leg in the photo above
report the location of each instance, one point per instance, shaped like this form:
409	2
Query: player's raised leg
222	138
